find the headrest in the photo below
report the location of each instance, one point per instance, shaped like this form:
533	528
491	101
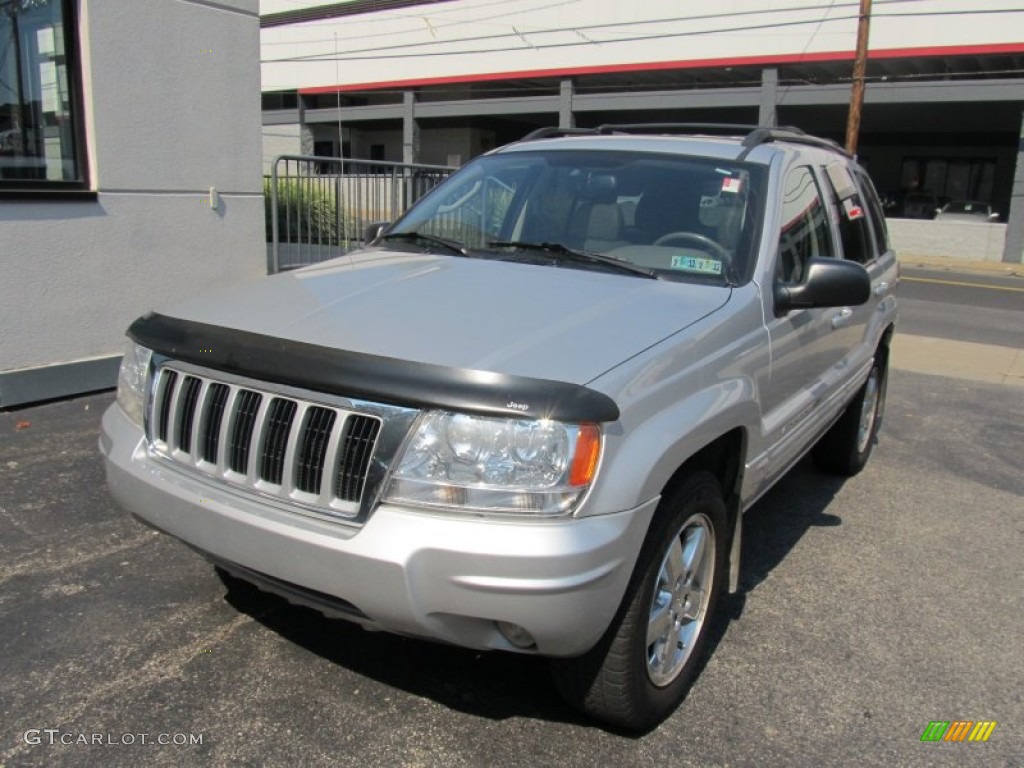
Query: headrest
600	188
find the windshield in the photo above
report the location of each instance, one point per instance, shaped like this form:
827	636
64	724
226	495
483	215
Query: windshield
676	217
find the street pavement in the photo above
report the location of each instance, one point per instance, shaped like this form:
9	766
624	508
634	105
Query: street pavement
869	608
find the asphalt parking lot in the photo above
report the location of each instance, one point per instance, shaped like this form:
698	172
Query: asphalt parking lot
869	609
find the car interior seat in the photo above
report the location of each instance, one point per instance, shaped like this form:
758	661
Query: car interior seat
597	222
668	205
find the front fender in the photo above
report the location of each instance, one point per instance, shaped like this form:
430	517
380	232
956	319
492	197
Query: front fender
647	455
678	397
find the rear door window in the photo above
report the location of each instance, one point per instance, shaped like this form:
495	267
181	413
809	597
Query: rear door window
878	225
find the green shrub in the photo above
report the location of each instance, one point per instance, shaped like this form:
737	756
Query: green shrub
307	212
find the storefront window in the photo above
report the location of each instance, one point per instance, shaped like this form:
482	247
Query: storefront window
39	115
950	178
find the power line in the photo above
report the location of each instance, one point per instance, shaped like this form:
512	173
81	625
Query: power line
421	17
348	56
811	40
595	27
488	21
352	54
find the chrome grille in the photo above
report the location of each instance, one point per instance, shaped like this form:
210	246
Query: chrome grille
279	425
164	395
187	400
316	434
240	437
216	399
360	437
313	454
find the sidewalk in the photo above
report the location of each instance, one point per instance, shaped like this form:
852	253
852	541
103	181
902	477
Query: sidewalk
958	359
994	268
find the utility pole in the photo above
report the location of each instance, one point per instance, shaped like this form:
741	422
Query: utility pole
860	65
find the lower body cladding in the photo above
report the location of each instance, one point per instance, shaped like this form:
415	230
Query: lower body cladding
465	580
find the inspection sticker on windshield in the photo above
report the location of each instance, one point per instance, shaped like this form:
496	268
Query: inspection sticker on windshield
731	185
693	264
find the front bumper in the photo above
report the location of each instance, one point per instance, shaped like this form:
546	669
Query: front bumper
448	578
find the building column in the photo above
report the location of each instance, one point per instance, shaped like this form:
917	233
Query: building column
305	131
566	117
1013	251
410	129
766	112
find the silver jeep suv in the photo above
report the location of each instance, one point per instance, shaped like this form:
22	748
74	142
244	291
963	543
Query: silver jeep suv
531	414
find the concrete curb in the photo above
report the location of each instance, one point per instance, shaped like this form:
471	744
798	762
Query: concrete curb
999	268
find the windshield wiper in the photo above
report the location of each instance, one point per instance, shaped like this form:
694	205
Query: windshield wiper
452	246
586	257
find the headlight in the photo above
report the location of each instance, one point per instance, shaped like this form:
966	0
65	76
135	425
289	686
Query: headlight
477	463
131	381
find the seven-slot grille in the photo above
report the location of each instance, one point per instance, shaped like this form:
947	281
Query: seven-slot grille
307	452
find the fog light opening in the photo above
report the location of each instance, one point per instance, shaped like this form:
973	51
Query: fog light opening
515	634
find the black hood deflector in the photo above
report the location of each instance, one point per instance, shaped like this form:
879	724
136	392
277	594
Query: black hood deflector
370	377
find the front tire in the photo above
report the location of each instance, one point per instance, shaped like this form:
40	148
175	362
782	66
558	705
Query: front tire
643	666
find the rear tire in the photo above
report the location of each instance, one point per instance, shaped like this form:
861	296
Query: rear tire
846	447
643	666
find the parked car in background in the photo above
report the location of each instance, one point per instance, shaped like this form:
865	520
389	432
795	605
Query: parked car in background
918	205
966	210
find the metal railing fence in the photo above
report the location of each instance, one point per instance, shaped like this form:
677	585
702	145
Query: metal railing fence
319	207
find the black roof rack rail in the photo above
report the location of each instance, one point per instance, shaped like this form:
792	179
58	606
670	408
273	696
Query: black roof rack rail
765	134
720	129
753	135
553	132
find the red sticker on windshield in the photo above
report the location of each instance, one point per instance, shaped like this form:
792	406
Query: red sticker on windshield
731	185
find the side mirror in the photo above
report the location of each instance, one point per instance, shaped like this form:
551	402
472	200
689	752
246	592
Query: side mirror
827	283
374	230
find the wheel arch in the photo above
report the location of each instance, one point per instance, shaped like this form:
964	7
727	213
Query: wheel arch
723	457
886	340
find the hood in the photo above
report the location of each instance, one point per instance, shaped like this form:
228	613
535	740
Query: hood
546	322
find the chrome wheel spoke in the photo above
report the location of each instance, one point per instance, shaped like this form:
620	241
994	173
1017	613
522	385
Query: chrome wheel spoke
688	633
694	602
665	654
673	567
693	552
661	620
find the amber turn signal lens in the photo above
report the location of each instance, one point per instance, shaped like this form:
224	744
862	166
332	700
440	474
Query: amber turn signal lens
588	451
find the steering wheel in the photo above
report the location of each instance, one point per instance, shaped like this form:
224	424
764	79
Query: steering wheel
703	241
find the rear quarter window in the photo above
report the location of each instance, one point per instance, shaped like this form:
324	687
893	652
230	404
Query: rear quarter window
852	214
878	225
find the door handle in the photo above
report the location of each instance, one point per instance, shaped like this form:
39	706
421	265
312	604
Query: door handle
882	288
840	318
